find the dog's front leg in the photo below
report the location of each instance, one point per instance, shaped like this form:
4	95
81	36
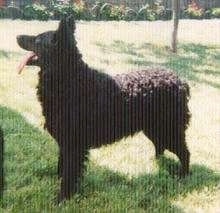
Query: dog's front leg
71	169
60	164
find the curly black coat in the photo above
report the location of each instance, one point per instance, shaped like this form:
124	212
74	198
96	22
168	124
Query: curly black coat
85	108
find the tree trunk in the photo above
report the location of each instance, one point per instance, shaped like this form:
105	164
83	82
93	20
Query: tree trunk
176	12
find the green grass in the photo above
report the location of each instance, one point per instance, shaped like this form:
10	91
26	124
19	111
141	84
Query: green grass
31	158
124	176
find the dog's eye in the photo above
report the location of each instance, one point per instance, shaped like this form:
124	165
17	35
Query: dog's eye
37	40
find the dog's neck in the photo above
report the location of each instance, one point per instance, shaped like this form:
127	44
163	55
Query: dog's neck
74	56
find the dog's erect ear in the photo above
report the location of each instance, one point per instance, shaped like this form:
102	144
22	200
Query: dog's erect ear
66	30
67	22
71	22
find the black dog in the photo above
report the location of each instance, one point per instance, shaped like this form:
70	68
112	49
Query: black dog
85	108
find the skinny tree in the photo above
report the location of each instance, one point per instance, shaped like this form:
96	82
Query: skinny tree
176	13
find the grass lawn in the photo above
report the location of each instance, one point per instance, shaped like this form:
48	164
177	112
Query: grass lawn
123	177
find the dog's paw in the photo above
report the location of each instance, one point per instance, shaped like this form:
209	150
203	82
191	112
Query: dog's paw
182	174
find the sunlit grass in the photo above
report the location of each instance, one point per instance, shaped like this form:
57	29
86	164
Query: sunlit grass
124	175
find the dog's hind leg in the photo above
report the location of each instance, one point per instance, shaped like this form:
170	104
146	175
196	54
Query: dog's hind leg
182	152
184	155
158	144
155	120
180	121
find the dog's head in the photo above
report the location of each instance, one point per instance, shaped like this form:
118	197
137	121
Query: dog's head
40	47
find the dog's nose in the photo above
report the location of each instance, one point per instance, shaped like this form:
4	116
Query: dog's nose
18	37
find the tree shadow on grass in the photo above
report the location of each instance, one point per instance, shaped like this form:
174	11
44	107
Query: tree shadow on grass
150	192
193	61
30	166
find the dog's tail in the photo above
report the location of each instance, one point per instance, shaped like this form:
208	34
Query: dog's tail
185	103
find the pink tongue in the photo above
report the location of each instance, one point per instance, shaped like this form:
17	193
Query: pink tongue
25	60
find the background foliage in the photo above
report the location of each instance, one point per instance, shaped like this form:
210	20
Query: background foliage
101	10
